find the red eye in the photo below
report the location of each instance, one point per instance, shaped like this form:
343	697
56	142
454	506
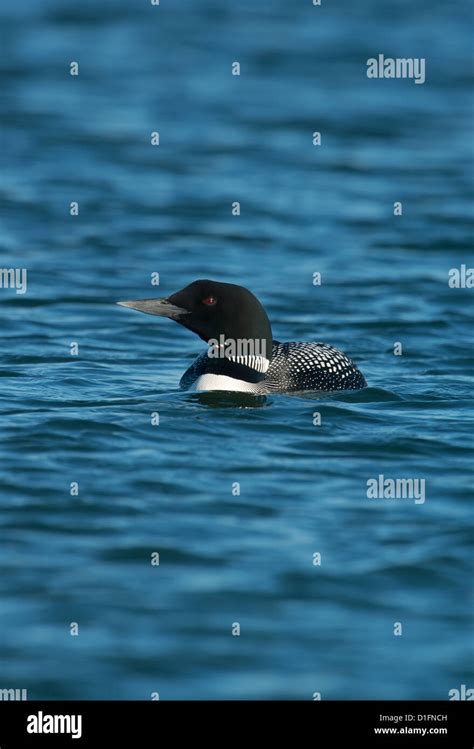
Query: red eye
210	301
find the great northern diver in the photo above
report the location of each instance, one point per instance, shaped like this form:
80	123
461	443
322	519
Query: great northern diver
242	355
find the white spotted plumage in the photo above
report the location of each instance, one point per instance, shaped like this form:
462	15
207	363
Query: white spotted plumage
293	367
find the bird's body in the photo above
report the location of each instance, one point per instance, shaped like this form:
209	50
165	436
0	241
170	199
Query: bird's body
242	355
293	367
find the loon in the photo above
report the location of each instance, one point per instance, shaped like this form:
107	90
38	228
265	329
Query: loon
242	355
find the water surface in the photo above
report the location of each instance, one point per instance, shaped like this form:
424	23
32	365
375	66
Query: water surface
229	557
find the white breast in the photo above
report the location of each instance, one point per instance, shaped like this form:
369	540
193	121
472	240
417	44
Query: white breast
222	382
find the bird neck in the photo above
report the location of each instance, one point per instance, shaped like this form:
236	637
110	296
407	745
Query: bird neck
242	358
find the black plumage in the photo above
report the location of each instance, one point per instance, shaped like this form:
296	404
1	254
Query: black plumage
295	367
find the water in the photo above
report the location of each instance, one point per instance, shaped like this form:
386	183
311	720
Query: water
227	558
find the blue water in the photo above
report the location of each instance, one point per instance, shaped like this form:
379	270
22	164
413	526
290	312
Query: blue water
225	557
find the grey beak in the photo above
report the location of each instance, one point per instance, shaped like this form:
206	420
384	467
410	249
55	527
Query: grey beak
161	307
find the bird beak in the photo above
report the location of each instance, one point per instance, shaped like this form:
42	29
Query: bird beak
161	307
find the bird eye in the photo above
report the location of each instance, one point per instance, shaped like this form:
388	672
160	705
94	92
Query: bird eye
209	301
